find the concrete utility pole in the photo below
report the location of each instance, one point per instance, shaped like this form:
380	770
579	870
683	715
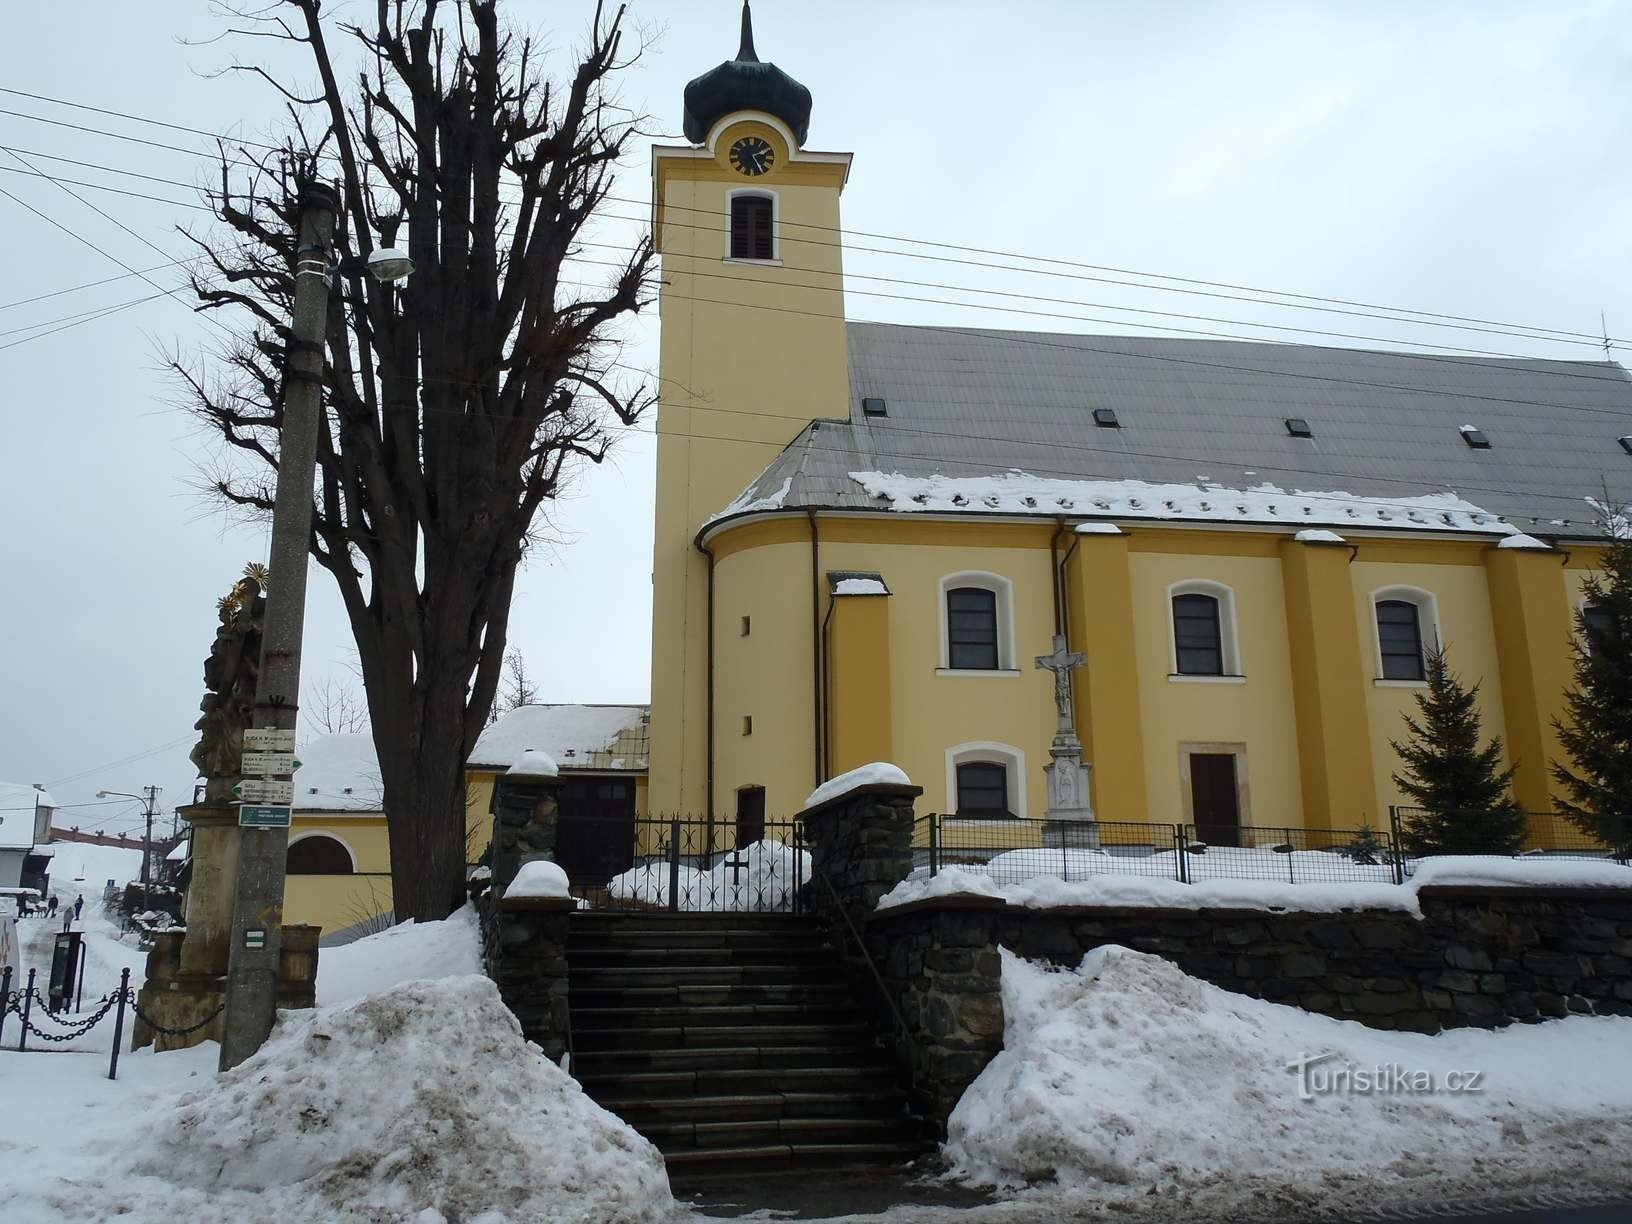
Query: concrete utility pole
257	913
150	809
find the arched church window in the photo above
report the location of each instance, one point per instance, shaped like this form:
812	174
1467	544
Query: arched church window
1399	640
971	629
983	789
751	227
319	855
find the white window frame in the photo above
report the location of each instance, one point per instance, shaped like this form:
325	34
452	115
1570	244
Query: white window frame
1227	636
776	226
1003	589
1427	605
1011	758
311	833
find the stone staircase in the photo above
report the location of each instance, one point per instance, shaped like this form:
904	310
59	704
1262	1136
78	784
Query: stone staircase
734	1043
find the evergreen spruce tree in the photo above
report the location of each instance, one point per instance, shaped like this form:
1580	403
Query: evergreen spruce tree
1598	734
1462	788
1366	849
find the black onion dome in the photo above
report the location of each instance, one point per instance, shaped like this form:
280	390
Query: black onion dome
745	83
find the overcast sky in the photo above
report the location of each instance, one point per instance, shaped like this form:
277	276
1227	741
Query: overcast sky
1465	158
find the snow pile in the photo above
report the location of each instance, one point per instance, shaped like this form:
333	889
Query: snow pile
879	773
1018	492
1098	529
1524	541
539	879
406	952
1318	535
533	763
1529	872
1127	1076
747	503
860	586
469	1119
1044	891
765	876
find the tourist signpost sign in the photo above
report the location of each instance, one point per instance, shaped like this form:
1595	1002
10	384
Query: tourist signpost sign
265	815
268	770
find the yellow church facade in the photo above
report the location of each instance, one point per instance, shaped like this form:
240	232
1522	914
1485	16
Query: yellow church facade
866	533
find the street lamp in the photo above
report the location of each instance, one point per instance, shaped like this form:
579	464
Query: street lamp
386	265
149	801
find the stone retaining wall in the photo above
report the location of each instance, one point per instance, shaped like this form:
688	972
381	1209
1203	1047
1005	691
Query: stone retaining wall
1478	956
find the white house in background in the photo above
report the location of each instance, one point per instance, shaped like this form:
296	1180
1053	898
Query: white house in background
25	831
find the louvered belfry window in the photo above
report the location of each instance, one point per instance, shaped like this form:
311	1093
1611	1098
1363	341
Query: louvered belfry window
750	227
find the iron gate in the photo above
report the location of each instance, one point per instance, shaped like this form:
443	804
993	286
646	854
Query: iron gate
693	865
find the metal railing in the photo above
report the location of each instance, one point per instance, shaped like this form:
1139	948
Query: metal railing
1014	850
686	865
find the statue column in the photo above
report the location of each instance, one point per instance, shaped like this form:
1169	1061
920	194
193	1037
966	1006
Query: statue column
1070	814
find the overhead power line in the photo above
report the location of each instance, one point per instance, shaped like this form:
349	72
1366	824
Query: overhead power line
1298	299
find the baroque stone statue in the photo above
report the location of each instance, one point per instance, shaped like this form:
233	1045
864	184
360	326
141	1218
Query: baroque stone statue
230	674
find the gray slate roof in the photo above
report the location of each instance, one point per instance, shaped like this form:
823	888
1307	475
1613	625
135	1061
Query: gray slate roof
965	402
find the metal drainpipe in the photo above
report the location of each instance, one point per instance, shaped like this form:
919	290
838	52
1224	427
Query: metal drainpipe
819	748
1062	608
708	774
827	683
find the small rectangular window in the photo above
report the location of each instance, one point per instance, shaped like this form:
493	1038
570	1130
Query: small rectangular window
1475	437
983	789
1298	427
747	724
971	629
1626	443
751	236
1105	418
874	407
745	626
1399	640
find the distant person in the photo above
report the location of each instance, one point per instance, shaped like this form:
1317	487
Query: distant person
79	904
51	906
22	906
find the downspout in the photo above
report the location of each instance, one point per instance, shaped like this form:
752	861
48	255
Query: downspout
827	684
819	748
708	721
1062	606
1055	569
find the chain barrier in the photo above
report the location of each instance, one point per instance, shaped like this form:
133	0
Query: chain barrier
78	1027
173	1032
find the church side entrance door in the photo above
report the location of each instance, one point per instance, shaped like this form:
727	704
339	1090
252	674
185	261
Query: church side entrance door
750	815
1214	799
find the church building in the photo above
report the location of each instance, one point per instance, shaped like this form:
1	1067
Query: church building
867	534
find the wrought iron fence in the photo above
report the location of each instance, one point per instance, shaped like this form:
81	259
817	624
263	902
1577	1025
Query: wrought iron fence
1012	850
1422	832
684	864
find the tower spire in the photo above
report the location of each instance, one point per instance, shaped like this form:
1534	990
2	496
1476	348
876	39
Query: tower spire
745	52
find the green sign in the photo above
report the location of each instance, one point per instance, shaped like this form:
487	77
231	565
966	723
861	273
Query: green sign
264	816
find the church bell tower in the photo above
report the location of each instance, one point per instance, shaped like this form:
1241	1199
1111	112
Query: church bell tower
753	347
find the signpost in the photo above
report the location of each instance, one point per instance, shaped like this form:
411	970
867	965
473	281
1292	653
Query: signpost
265	790
269	764
264	816
268	739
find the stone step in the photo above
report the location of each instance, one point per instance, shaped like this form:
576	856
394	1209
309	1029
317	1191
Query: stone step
864	1052
603	1019
681	1136
810	973
610	936
888	1104
681	1036
635	956
690	1164
650	922
613	1081
709	996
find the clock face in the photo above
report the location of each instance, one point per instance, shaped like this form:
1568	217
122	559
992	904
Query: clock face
752	155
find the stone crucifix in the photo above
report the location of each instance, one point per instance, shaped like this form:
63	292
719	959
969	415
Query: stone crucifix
1062	663
1068	802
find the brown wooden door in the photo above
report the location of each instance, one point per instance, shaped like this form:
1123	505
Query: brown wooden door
750	815
595	831
1213	798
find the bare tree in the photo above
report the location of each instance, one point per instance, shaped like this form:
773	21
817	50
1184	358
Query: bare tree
457	403
333	707
520	690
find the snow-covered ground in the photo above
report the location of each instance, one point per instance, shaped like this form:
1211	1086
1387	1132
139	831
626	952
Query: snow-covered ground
1127	1082
409	1094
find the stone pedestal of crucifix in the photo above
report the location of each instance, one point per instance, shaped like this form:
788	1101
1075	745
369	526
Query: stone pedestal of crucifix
1070	819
